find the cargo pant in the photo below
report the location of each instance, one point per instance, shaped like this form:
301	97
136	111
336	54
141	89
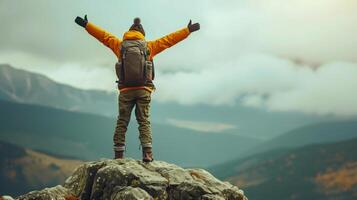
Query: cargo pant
140	99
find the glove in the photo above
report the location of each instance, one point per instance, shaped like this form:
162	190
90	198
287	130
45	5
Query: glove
193	27
82	22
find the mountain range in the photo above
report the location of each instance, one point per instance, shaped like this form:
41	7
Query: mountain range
23	169
323	132
21	86
88	136
320	171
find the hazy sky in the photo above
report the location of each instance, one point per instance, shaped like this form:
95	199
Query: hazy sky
297	55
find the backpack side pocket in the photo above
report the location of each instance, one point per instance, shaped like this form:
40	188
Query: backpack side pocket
149	70
119	70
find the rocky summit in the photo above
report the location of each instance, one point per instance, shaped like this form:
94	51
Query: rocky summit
133	180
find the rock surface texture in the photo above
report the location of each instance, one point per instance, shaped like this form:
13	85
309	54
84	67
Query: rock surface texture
133	180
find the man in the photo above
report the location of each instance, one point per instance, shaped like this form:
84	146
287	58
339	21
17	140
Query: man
135	95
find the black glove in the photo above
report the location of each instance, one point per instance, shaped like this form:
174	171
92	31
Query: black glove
82	22
193	27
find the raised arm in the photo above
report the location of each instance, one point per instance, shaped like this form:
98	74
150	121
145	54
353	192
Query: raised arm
103	36
167	41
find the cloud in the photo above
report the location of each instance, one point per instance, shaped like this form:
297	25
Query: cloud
317	32
84	76
209	127
47	29
222	84
329	90
267	82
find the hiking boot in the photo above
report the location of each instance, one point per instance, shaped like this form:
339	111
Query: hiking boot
147	154
119	151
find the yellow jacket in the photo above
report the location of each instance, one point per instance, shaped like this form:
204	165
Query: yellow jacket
155	46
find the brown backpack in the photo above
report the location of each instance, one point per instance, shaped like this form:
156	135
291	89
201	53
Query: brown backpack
134	67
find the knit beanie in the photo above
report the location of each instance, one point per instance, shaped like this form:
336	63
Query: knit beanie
137	26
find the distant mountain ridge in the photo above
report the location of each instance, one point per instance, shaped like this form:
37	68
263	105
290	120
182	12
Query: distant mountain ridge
323	132
319	172
27	87
23	170
89	136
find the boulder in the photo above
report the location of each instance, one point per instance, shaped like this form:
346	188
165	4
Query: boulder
58	193
133	180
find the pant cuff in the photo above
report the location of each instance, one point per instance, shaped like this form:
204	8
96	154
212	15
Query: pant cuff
146	145
119	148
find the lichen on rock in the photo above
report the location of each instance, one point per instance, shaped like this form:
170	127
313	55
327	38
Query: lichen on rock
133	180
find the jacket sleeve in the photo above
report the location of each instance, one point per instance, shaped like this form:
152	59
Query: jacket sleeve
167	41
104	37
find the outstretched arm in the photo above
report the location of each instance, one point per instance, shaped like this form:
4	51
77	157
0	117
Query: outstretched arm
167	41
103	36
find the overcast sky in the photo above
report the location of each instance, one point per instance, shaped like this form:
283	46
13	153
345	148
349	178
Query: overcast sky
297	55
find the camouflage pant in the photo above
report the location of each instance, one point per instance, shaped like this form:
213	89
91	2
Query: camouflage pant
140	99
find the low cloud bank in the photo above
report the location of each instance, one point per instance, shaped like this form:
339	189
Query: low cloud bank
268	82
208	127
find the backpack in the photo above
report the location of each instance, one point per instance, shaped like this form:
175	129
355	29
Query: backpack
134	67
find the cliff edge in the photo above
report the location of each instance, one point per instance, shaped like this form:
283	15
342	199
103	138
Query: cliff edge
133	180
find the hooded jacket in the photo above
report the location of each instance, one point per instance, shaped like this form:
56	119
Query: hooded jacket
155	46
